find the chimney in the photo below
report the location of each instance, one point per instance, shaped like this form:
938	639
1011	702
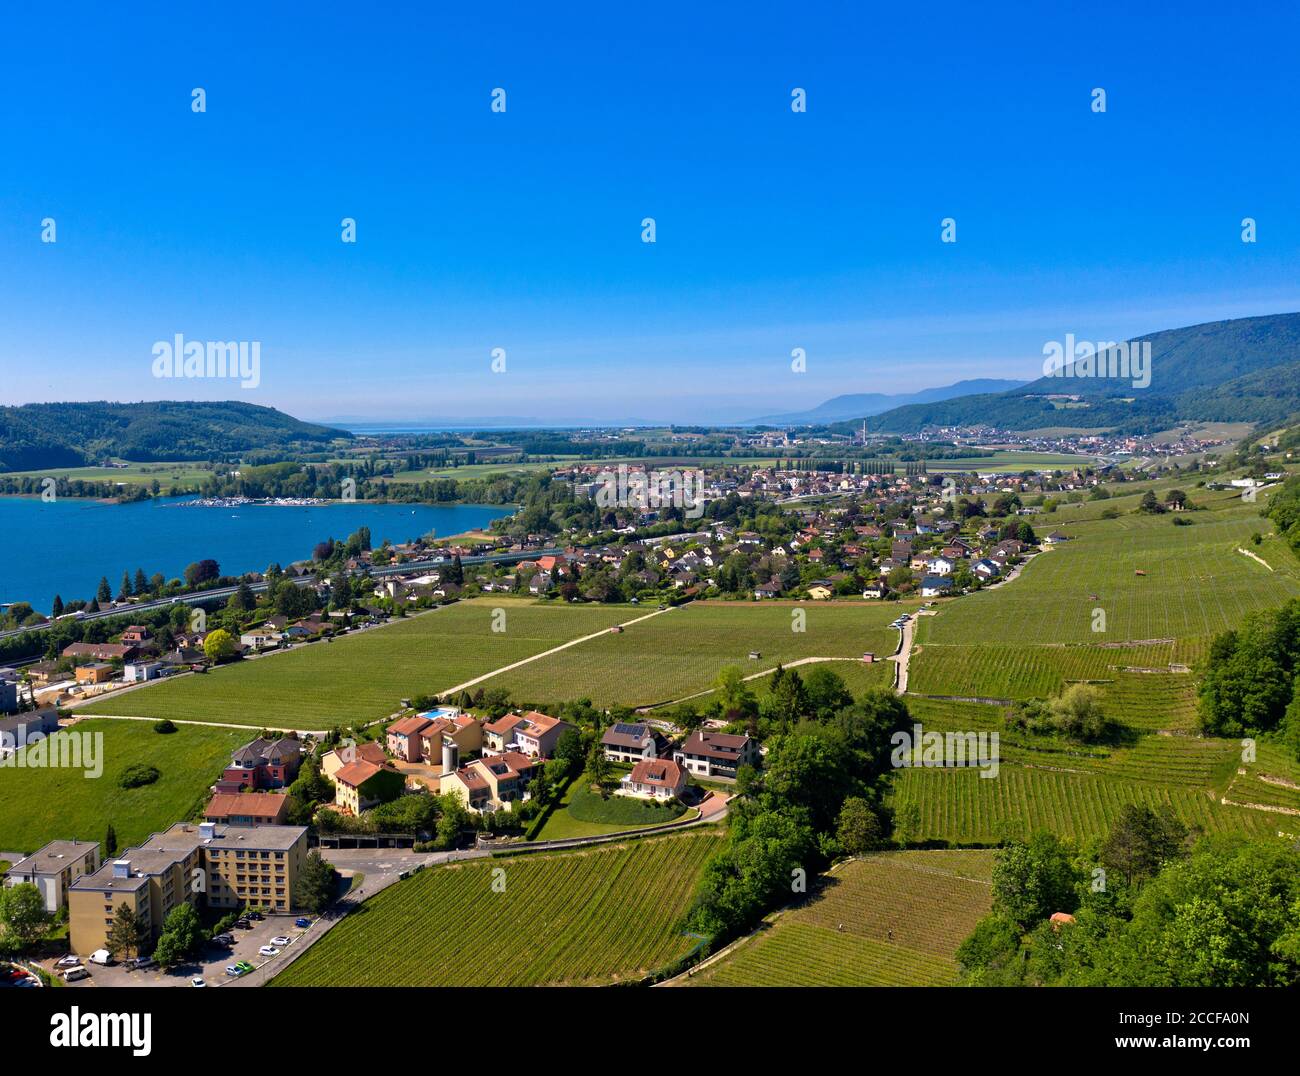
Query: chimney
121	868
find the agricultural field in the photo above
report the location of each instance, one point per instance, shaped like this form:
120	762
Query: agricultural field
185	475
1195	584
681	653
607	914
363	676
76	806
894	919
958	805
1009	461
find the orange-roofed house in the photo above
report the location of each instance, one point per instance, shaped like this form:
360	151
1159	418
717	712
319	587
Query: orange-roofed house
404	738
654	779
334	760
361	785
539	734
498	735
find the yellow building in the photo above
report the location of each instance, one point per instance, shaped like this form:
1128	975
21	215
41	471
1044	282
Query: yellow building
211	864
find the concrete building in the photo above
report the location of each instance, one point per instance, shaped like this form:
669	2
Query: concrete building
54	868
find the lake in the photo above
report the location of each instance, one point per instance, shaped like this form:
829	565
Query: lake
63	547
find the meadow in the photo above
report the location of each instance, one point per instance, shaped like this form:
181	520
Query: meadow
41	805
363	676
591	917
894	919
681	653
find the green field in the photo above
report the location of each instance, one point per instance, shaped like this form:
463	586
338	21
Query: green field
563	823
133	474
681	652
595	916
41	805
886	920
363	676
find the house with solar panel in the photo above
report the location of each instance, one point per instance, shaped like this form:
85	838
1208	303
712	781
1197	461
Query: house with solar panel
624	742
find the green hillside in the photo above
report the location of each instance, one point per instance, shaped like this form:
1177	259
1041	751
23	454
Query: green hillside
1245	370
74	434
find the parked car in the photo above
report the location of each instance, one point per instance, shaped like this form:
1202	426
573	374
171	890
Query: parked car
69	961
269	950
280	939
243	924
75	974
197	981
302	922
241	968
102	956
139	963
255	915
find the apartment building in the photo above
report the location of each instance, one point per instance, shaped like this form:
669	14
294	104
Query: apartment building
492	783
54	868
223	866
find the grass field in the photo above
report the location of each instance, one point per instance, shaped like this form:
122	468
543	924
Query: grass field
40	805
595	916
681	652
894	919
133	474
363	676
562	824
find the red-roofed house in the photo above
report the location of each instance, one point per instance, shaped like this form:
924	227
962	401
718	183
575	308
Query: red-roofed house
655	779
247	808
404	738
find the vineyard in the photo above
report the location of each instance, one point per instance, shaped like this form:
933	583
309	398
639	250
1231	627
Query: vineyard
589	917
363	676
1195	585
681	652
894	919
958	805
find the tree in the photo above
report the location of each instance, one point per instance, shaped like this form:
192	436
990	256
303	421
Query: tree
128	933
1142	841
203	571
219	645
733	693
140	585
182	936
242	601
1034	879
858	830
599	772
316	883
104	593
110	842
56	610
23	915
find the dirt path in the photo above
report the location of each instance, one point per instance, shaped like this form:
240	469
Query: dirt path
1254	557
252	730
546	653
751	676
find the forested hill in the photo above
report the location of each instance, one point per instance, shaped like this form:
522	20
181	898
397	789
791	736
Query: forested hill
1245	370
36	436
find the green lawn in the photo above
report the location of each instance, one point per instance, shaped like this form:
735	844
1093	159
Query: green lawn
595	916
133	474
363	676
682	651
40	805
894	919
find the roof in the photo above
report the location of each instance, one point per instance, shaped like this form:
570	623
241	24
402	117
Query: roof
715	744
660	772
357	773
267	805
409	726
505	724
54	857
621	734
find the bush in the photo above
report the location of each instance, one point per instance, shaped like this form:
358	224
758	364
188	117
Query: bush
164	727
137	775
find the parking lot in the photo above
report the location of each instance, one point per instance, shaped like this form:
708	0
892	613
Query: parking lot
211	968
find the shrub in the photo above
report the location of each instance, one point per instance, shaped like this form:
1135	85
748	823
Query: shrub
164	727
137	775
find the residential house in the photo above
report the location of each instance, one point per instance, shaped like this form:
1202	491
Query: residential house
262	764
493	783
716	754
100	651
137	635
334	760
360	785
624	742
935	586
19	730
139	672
654	779
539	734
404	738
97	672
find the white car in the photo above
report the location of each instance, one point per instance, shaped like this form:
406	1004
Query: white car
281	940
269	950
197	981
68	962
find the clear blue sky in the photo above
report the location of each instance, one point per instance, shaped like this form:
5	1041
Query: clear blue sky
522	230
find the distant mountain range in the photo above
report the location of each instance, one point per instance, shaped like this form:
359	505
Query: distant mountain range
1244	370
36	436
866	404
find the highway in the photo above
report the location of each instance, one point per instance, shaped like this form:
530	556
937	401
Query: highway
202	597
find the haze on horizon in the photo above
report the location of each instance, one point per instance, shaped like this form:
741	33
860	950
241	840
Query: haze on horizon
522	230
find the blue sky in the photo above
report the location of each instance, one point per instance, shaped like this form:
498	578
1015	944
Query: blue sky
775	230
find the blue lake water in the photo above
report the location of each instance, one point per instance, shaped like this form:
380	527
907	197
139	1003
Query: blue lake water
65	546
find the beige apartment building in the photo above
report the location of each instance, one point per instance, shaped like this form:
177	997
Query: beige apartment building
215	865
